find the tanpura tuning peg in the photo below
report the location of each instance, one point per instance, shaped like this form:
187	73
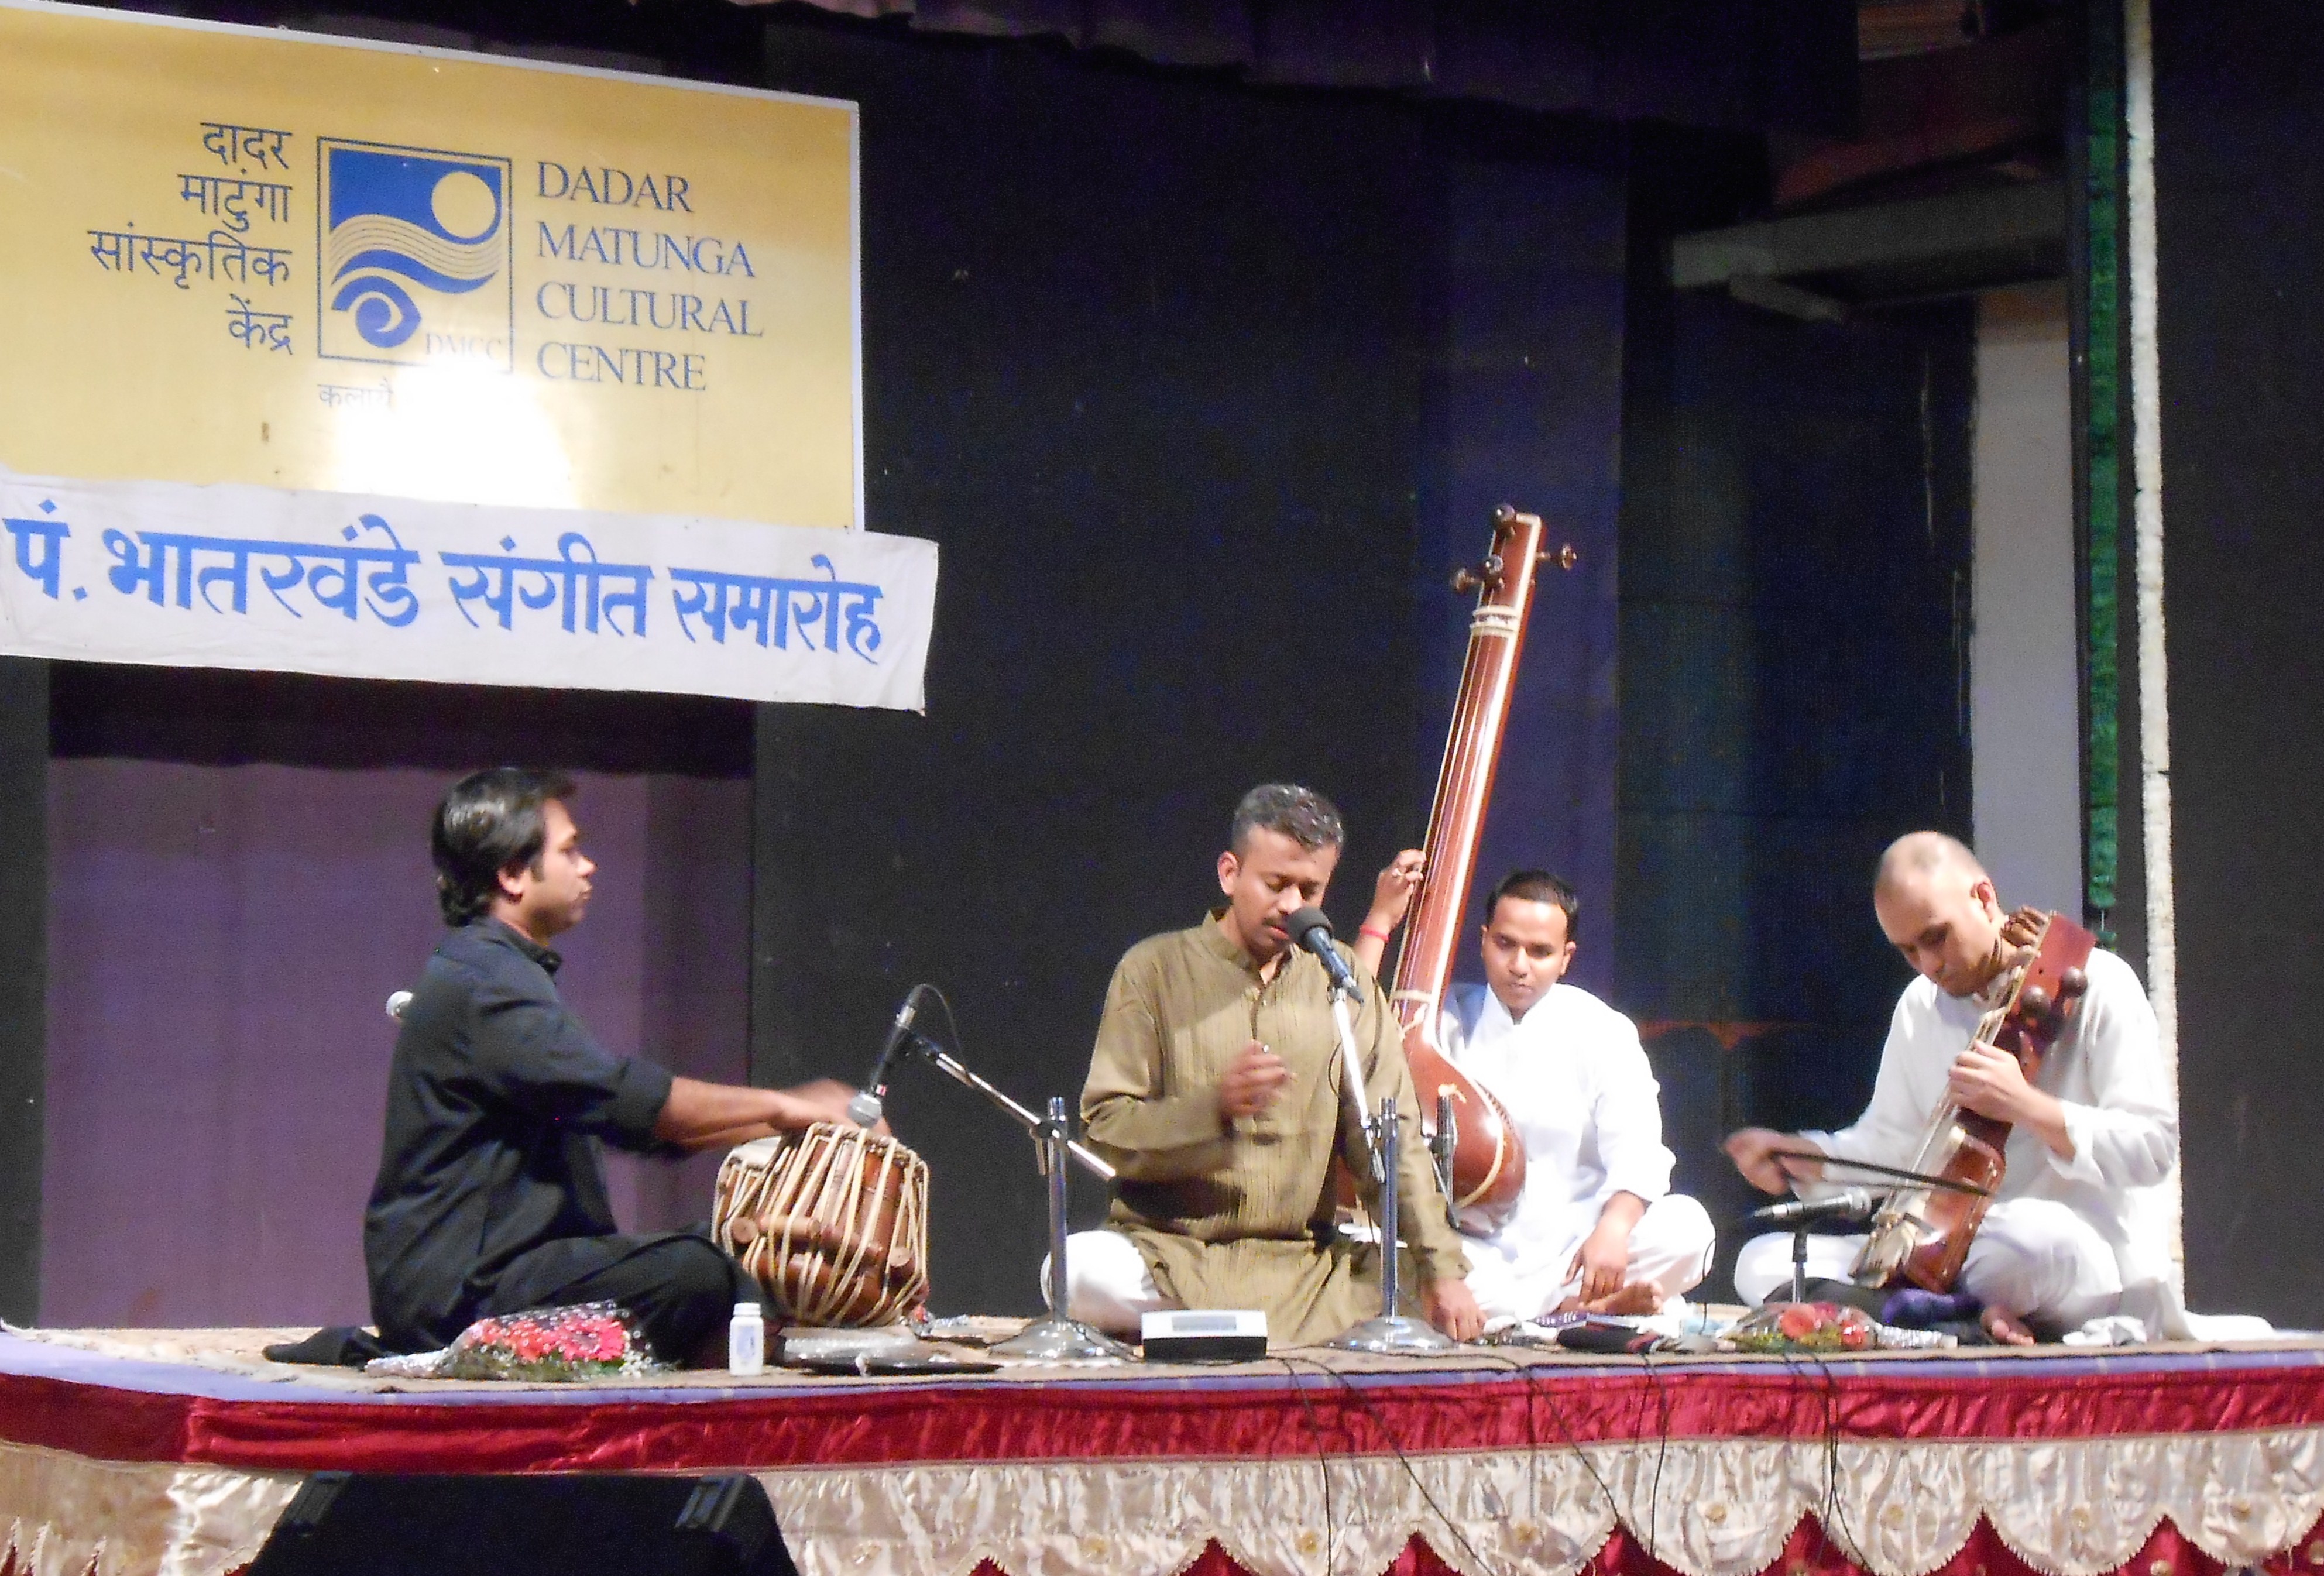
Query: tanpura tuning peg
2034	1002
2072	983
1565	558
1466	578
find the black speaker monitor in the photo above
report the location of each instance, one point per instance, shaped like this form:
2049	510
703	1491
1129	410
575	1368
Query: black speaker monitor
341	1524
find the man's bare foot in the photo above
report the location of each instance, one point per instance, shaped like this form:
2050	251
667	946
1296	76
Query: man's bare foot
2006	1329
1639	1298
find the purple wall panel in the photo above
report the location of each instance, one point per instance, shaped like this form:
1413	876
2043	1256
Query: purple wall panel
1526	410
222	939
693	984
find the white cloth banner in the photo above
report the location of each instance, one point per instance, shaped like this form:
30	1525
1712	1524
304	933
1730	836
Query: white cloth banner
370	587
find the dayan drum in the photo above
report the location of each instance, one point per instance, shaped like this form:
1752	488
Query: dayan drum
832	1223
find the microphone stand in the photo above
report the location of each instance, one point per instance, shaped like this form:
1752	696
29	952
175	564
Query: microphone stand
1395	1333
1801	1223
1391	1332
1057	1338
919	1045
1870	1168
1442	1149
1352	1082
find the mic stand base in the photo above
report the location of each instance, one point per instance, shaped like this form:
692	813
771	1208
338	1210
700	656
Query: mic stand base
1395	1335
1054	1340
1058	1338
1391	1332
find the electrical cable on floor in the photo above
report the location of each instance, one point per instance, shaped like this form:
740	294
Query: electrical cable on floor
1322	1460
1364	1403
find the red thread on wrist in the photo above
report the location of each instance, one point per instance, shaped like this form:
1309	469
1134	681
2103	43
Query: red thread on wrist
1374	931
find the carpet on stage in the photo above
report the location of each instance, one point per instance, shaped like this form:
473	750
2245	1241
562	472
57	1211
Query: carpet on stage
128	1452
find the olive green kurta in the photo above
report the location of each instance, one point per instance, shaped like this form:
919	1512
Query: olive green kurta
1239	1214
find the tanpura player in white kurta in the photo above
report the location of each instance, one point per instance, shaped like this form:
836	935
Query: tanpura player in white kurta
1597	1224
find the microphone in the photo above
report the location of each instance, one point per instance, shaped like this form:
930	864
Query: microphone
398	1003
1852	1204
864	1106
1312	930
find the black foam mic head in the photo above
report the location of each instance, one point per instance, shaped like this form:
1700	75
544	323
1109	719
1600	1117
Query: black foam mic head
1302	924
1309	928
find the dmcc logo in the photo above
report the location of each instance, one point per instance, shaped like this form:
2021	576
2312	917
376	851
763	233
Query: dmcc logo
416	255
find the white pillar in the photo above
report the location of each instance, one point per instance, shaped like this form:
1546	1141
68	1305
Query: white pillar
2025	676
2153	667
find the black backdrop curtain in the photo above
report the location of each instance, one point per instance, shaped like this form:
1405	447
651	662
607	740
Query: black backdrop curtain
1747	64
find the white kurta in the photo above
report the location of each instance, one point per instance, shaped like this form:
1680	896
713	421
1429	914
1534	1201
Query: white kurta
1579	1087
2107	1070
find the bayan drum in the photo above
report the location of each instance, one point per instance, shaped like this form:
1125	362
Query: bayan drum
832	1223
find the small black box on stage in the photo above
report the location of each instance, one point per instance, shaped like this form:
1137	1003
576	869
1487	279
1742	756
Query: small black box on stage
1203	1336
341	1524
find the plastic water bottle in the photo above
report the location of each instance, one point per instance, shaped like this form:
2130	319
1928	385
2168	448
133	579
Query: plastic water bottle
746	1340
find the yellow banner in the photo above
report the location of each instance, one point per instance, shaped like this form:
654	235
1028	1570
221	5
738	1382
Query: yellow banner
250	256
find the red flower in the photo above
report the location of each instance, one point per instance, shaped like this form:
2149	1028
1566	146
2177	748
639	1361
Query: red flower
1798	1321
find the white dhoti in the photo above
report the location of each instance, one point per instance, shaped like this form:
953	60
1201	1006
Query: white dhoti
1107	1282
1583	1097
2033	1258
1109	1285
1518	1278
2078	1233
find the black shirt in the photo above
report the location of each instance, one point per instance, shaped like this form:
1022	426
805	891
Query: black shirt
495	1103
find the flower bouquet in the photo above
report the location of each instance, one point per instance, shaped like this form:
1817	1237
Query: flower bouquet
588	1340
1807	1327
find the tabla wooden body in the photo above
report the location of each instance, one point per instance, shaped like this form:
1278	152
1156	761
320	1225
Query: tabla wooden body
832	1223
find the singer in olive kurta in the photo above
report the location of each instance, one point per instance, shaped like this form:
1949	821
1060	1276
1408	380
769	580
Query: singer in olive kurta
1239	1213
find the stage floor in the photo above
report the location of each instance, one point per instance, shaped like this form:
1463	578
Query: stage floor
134	1452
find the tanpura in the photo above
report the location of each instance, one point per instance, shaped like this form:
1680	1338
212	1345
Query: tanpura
1922	1234
1487	1160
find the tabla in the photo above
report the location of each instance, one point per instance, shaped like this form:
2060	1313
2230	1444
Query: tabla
831	1221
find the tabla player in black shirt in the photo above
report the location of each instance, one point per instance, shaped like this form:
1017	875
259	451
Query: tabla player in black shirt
491	1195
